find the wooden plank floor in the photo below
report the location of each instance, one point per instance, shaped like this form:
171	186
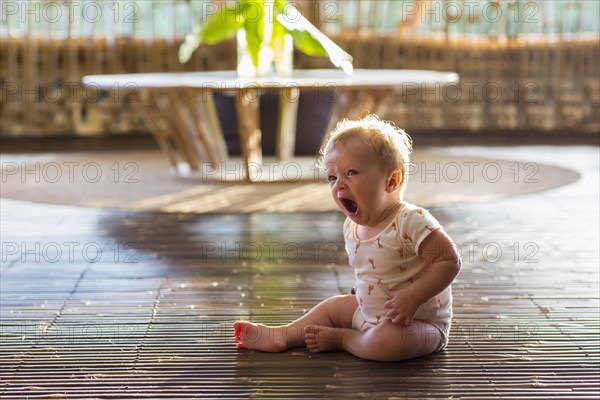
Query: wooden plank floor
102	304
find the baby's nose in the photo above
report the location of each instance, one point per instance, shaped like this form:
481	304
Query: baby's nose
339	184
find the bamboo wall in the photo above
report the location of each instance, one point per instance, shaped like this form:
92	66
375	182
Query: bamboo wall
505	85
42	93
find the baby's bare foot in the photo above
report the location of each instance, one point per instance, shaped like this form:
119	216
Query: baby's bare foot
249	335
322	338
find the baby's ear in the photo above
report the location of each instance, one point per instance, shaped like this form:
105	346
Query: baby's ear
393	181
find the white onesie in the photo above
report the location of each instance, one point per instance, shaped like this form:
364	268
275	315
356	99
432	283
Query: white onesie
390	261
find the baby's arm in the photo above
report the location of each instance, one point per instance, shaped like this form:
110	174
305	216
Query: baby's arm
442	265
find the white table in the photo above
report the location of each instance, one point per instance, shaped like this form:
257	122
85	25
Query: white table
180	112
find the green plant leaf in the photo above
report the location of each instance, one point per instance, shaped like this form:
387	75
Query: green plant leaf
222	25
278	7
253	12
218	27
310	40
307	43
249	15
279	32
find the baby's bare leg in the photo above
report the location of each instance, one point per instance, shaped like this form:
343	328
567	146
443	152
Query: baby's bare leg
336	311
385	342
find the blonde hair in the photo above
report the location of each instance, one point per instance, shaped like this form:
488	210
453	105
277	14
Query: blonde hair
390	143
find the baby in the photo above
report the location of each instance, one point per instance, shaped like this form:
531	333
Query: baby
403	260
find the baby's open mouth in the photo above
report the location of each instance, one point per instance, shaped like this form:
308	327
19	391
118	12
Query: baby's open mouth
349	205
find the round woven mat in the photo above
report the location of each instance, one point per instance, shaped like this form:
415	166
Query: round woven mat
142	181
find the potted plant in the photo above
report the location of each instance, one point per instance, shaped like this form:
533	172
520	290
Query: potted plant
266	30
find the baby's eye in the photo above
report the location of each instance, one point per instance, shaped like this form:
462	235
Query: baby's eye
352	172
331	178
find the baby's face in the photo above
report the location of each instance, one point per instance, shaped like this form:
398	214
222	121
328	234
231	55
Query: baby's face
357	182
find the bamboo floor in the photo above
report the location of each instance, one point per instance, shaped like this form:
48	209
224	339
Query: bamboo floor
106	304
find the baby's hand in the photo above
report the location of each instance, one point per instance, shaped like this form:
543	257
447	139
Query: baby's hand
401	309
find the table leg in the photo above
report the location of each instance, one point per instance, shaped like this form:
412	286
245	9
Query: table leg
372	102
211	118
187	130
355	104
247	107
286	128
162	136
201	128
343	102
186	121
381	101
182	149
